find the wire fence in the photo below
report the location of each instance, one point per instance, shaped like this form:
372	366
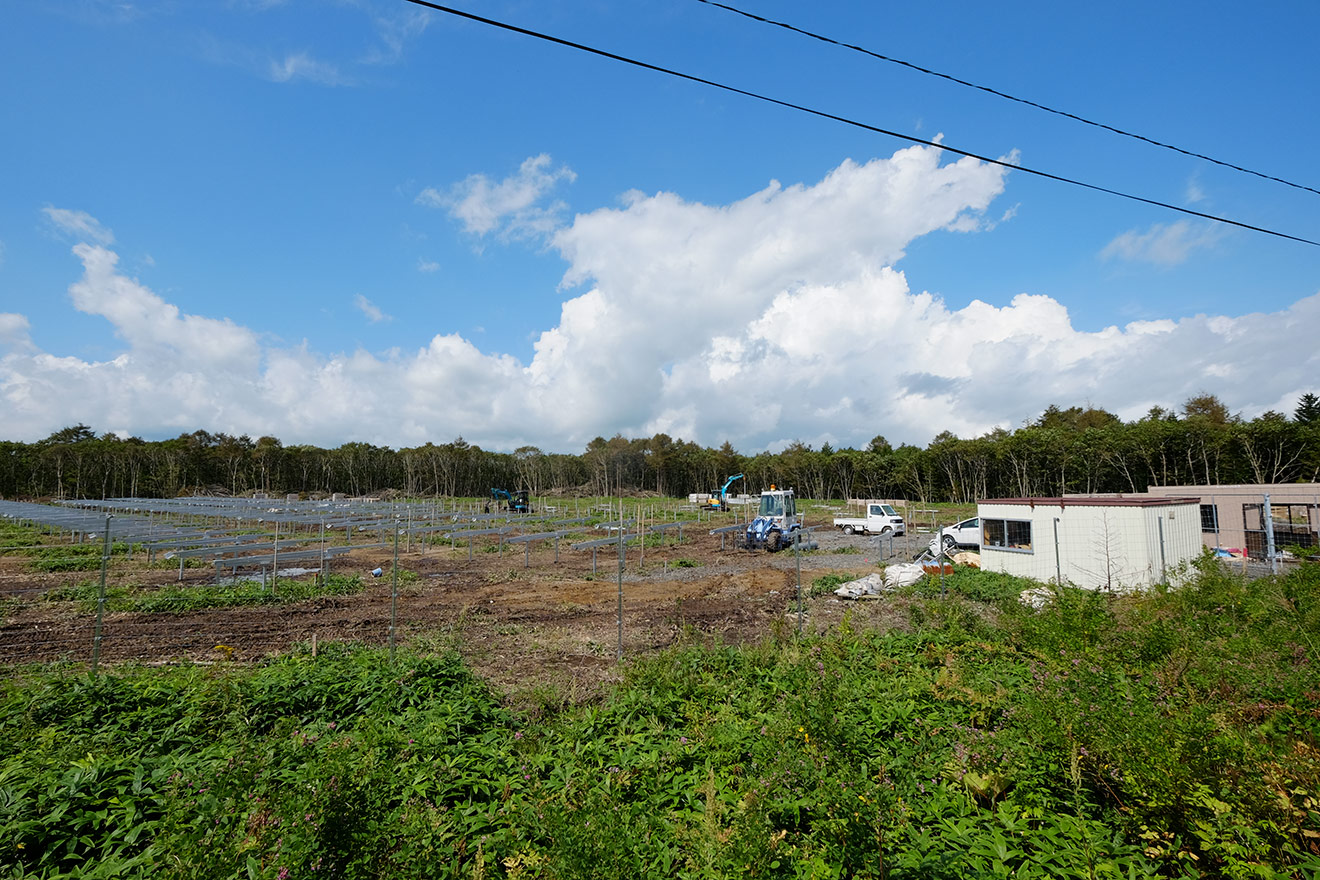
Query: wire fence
206	581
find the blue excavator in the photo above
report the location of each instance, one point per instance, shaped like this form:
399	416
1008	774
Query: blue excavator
515	502
719	500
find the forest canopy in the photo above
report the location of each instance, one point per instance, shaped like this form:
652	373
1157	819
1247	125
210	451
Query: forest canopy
1077	449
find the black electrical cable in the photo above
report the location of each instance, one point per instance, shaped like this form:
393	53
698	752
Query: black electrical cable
1005	95
846	121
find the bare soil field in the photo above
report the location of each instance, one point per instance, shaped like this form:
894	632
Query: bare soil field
522	622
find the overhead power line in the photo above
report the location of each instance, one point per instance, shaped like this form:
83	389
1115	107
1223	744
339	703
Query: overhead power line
852	122
1005	95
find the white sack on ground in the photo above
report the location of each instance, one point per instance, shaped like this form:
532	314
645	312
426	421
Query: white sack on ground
905	574
871	585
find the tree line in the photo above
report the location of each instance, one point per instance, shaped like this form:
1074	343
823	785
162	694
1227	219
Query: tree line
1078	449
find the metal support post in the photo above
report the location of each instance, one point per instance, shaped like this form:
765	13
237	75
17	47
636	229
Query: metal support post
1058	565
275	559
1164	576
100	599
394	592
798	558
621	563
939	560
1214	511
1268	513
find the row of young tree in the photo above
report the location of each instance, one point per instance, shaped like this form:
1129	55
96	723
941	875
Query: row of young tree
1064	451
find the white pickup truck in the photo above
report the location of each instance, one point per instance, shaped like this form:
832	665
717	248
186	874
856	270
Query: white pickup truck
880	519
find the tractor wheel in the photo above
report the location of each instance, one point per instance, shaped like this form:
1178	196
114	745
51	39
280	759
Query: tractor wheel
848	530
772	541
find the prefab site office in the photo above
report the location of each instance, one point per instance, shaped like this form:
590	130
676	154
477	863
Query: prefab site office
1116	542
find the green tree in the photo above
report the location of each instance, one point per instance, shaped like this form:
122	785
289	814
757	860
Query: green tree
1272	447
1308	410
1208	407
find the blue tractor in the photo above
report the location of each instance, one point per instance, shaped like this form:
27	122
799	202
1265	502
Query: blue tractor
777	524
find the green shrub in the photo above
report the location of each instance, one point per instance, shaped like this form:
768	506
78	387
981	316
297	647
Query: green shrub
991	587
828	583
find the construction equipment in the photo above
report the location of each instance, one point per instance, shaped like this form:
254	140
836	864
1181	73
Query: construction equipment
515	502
776	524
719	500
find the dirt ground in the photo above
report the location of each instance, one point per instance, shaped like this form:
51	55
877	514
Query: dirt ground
529	624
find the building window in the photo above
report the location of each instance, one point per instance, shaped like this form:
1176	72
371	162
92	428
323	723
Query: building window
1294	525
1006	534
1209	518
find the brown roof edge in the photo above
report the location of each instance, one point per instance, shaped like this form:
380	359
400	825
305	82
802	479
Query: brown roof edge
1109	501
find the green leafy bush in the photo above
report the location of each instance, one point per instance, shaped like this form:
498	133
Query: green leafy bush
828	583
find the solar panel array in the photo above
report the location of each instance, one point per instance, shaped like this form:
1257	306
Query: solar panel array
236	552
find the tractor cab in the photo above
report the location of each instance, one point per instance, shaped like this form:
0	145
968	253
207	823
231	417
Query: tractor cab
777	504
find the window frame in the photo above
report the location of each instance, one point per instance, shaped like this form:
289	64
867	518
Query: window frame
1003	523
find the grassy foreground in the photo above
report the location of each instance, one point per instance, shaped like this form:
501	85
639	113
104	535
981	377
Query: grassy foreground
1171	734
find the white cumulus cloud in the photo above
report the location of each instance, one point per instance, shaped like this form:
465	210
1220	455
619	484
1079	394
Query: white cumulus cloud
14	331
779	316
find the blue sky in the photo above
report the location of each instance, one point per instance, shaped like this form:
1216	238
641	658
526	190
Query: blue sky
365	220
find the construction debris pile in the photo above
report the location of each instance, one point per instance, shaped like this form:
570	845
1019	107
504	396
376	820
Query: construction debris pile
903	574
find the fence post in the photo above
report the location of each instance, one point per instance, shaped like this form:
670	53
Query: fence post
1164	575
1214	511
275	559
621	564
944	563
394	591
1269	536
1058	564
100	598
798	558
